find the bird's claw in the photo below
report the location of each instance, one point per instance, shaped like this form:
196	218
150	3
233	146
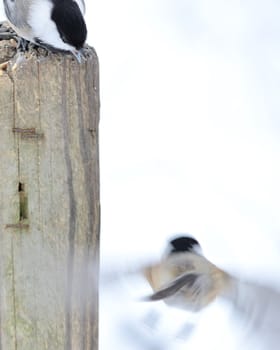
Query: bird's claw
79	55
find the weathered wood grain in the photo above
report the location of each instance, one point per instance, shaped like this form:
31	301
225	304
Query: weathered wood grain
49	203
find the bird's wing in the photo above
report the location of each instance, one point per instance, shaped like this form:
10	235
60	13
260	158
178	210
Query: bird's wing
185	280
17	12
82	6
257	304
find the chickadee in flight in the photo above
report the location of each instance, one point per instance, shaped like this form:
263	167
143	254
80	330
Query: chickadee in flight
53	24
186	279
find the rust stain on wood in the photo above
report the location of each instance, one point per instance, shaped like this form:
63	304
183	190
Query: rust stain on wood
24	131
28	133
18	225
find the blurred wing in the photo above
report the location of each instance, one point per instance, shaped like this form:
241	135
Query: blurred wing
256	312
186	280
17	12
258	305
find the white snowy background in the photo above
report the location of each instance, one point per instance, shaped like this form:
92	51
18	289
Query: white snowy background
189	142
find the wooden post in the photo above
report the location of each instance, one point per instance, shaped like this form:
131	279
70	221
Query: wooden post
49	202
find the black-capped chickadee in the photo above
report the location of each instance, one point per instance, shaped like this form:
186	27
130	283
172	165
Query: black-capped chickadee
185	278
53	24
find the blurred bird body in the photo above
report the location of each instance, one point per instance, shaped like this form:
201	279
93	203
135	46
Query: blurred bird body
184	278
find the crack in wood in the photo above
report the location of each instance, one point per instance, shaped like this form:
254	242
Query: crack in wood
28	133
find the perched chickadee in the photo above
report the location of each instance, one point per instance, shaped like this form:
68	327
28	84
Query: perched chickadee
53	24
185	278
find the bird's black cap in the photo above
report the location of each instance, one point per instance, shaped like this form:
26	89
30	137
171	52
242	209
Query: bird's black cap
70	22
183	244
